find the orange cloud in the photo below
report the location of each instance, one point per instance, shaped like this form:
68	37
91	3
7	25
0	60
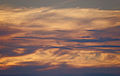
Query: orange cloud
72	36
75	58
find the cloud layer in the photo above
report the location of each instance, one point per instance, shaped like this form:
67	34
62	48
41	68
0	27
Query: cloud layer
73	36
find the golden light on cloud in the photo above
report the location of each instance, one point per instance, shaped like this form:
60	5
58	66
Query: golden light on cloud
72	36
75	58
19	50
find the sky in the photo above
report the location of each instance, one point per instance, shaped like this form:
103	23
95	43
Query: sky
101	4
59	38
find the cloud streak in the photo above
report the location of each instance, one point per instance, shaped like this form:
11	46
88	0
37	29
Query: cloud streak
75	37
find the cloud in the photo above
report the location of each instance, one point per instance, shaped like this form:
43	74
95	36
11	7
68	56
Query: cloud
75	37
75	58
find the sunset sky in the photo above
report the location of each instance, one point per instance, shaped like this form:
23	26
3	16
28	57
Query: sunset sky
59	37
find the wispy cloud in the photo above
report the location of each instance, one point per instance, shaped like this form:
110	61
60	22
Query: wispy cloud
47	36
